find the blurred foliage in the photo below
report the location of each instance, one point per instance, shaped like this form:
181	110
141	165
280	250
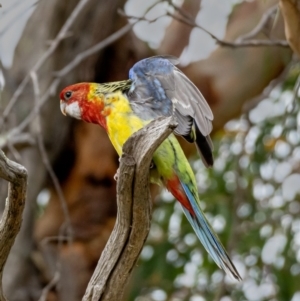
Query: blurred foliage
251	198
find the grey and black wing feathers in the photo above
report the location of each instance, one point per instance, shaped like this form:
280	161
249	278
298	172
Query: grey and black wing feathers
189	102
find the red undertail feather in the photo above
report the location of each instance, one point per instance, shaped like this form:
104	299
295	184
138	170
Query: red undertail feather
174	186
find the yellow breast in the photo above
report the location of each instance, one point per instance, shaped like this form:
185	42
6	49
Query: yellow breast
121	120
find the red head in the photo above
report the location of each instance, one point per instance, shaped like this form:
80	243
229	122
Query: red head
82	101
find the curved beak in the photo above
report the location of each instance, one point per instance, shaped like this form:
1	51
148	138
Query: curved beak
63	107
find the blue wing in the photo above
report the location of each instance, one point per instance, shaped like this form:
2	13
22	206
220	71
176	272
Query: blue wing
159	88
147	87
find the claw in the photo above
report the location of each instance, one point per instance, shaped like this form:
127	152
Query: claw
116	176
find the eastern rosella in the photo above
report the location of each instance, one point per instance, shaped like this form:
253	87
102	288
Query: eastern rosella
124	107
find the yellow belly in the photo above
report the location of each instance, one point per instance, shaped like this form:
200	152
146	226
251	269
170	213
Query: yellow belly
121	122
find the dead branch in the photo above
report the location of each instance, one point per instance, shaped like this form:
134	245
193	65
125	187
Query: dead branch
134	214
11	219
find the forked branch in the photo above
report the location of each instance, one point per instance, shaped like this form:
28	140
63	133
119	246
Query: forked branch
134	213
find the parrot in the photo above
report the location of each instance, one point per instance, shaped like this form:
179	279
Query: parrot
124	107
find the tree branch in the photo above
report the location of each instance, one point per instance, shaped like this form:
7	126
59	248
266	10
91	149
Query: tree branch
134	213
11	219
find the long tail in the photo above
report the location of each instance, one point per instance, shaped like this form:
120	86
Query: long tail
207	236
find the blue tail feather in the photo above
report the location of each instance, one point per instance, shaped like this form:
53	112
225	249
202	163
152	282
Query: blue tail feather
207	236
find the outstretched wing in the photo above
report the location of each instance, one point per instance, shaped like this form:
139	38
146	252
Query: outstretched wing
160	88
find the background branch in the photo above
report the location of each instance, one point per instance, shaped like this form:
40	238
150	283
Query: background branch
134	213
240	42
12	216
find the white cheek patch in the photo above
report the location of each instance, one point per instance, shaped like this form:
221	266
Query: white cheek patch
73	110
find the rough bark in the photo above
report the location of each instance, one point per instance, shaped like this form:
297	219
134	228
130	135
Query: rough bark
134	213
11	219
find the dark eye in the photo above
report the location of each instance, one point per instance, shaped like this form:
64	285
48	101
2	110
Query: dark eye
68	94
